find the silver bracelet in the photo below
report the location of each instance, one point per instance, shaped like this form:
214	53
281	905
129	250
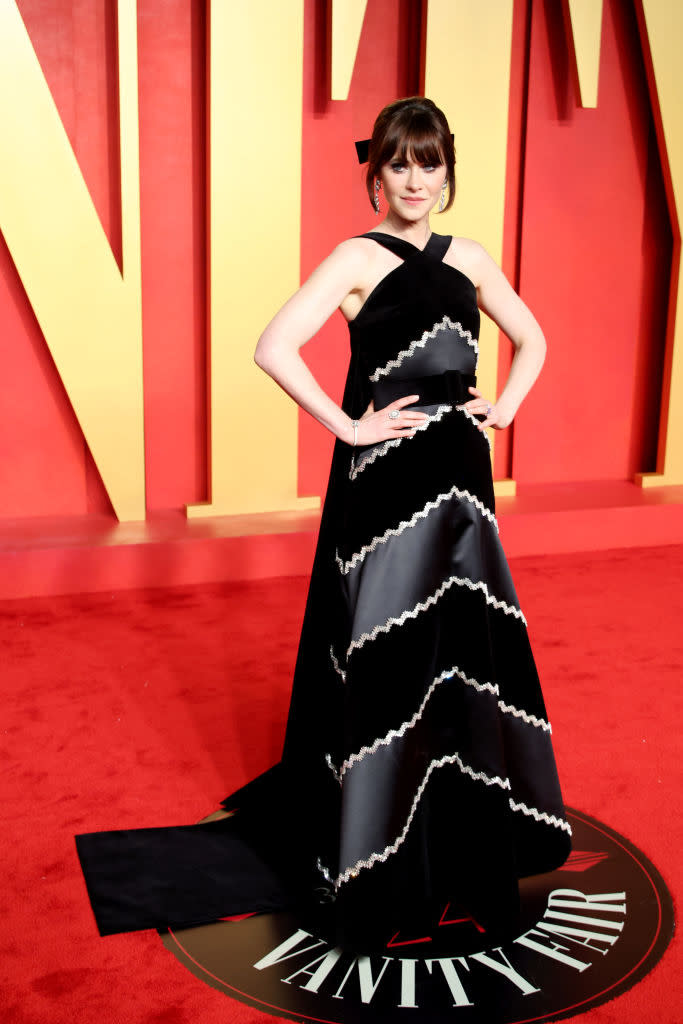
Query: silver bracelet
354	424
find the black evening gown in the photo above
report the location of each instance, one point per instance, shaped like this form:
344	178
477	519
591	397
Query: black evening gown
417	768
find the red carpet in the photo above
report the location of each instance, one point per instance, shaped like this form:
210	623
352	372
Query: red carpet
146	707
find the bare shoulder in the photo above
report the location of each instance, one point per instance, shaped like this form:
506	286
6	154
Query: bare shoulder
470	257
348	263
354	252
364	264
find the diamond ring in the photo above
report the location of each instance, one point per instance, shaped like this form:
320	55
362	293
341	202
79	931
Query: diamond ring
393	414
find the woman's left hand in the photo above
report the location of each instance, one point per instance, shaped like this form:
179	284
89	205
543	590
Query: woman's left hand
493	416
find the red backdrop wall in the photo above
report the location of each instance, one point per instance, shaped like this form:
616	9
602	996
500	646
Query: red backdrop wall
595	257
587	241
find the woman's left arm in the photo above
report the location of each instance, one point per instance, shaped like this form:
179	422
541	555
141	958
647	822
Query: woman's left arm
498	299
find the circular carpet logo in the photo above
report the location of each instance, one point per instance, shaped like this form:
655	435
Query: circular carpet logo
591	930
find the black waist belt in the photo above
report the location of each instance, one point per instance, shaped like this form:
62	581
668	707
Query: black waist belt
450	387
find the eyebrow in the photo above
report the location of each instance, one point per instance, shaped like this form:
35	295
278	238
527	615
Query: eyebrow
424	163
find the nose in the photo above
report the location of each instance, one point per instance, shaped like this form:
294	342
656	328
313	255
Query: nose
414	177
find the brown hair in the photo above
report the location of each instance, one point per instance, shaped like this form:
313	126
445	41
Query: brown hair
412	127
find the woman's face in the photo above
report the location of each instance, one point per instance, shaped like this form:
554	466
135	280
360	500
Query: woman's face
410	188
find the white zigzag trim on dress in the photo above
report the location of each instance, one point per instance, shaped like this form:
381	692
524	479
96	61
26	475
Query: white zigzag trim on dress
346	567
540	723
337	668
406	353
422	606
384	741
395	442
394	734
533	812
330	765
488	780
324	872
473	419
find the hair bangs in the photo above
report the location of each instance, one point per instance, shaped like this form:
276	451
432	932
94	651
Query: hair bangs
421	144
411	141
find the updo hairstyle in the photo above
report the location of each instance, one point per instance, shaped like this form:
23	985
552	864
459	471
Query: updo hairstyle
415	128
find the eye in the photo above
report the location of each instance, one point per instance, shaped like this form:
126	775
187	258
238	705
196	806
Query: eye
397	166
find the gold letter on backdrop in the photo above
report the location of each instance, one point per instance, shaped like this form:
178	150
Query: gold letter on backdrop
585	22
662	31
467	74
347	22
255	118
89	313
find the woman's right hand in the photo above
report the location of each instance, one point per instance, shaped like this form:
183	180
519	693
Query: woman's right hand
394	420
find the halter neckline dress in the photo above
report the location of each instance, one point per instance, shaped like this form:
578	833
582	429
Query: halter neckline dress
417	768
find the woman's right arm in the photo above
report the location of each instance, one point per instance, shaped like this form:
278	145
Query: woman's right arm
298	320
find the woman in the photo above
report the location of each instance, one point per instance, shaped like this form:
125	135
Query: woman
417	770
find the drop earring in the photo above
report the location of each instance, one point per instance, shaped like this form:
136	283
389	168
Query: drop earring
376	199
442	200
